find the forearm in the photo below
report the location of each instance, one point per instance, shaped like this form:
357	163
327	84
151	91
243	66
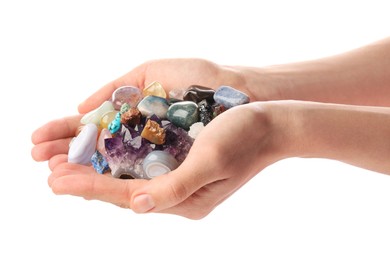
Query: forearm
356	135
360	77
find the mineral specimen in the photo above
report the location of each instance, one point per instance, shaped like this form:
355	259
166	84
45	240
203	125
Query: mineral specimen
153	132
205	112
183	114
158	163
126	94
230	97
99	163
197	93
152	105
154	89
131	117
95	115
84	145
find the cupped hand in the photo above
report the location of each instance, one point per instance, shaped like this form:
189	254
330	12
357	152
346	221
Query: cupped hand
230	150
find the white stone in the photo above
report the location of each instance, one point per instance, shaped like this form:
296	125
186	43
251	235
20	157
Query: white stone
94	116
195	129
158	163
84	145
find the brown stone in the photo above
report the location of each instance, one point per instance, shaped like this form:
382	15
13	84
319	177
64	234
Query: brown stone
153	132
131	117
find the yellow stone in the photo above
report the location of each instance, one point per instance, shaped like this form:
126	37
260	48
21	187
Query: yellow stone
154	89
153	132
107	118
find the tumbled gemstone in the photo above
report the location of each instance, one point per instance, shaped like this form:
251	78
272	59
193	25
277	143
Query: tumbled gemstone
99	163
153	105
115	124
195	129
153	132
176	94
197	93
95	115
217	110
230	97
84	145
107	118
104	134
124	108
126	94
183	114
132	117
205	112
154	89
158	163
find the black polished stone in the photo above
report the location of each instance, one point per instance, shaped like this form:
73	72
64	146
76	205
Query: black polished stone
197	93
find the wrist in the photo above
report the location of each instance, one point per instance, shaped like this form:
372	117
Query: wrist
283	124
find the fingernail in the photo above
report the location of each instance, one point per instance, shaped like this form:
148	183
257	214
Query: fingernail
143	203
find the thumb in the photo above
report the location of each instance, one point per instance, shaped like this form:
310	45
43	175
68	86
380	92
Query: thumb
133	78
167	190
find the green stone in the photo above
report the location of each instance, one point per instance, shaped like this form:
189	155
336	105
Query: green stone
183	114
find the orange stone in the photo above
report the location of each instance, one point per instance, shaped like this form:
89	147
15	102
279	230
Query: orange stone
153	132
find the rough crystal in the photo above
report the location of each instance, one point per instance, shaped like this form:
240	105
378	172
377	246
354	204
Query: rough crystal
131	117
205	112
153	132
99	163
104	134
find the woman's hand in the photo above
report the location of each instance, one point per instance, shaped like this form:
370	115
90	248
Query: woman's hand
232	149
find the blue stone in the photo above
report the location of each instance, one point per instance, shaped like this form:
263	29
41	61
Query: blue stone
99	163
153	105
115	124
230	97
183	114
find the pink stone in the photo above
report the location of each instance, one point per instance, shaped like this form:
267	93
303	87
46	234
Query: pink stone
104	134
126	94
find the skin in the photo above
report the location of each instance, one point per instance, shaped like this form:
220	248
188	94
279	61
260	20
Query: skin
335	107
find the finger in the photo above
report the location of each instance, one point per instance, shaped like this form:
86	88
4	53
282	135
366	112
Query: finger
171	189
133	78
207	198
44	151
56	160
65	168
56	129
97	186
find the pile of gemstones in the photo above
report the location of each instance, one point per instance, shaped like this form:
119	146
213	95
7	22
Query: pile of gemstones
143	134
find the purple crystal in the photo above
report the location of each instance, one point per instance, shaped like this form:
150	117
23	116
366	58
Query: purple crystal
177	142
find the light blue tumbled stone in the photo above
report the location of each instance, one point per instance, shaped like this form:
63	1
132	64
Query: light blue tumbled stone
84	145
183	114
153	105
158	163
230	97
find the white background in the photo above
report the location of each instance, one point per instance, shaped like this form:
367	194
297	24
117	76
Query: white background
53	54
